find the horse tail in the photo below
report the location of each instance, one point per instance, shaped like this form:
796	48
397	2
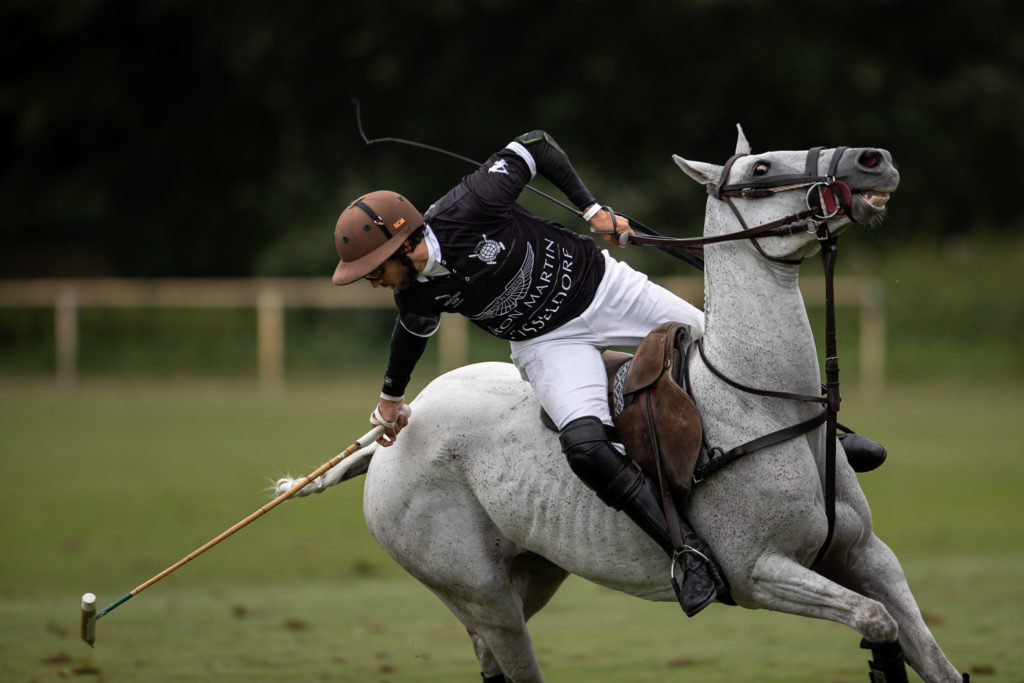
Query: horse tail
349	468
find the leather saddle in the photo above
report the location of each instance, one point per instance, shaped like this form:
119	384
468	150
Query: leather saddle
655	418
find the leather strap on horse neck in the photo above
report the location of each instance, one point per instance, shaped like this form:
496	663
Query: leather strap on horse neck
830	401
838	193
828	259
717	458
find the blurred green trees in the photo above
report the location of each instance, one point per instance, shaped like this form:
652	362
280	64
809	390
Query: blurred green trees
176	137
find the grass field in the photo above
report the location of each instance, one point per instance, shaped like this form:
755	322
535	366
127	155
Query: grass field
105	486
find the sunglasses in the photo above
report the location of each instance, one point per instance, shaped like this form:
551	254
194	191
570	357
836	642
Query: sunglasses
375	274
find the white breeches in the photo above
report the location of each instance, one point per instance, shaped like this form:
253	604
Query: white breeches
565	367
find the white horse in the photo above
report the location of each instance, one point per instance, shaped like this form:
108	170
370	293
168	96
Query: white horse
477	502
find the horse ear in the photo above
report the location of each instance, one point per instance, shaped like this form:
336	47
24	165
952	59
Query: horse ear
702	172
742	146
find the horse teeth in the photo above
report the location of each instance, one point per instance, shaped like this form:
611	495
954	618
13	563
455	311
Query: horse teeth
876	199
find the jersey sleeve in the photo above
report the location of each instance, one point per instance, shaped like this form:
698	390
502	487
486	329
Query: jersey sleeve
499	181
551	161
407	346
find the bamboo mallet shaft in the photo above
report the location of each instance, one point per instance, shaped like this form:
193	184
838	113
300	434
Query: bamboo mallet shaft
90	616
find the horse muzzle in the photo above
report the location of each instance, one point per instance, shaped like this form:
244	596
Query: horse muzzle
868	205
873	177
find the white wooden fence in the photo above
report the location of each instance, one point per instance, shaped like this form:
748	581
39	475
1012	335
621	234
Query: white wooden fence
271	296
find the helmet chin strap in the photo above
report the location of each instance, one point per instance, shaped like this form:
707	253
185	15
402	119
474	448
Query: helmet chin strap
402	255
404	259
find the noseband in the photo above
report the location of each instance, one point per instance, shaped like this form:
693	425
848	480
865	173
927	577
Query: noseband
769	185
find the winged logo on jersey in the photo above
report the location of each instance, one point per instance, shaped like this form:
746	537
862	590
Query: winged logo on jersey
515	290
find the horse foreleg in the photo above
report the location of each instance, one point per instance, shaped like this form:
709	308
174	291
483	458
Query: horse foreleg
874	571
782	584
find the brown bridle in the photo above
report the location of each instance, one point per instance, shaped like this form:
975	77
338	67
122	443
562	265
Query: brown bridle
827	197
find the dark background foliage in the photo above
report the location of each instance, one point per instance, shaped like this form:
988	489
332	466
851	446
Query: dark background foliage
176	137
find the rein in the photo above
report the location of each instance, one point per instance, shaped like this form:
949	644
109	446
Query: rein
827	198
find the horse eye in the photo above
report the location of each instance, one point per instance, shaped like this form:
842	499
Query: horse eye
761	168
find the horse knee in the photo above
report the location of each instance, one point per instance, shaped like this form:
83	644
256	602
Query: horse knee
874	622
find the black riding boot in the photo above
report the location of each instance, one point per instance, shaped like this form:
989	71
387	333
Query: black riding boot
862	453
619	483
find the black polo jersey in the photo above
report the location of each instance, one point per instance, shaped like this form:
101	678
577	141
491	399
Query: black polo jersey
513	273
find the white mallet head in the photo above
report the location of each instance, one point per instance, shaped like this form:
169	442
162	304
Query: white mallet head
89	618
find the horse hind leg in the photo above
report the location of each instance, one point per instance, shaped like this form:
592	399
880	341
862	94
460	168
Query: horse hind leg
492	588
779	583
496	624
466	564
535	580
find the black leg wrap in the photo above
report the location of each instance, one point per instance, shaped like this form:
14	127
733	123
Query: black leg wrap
887	664
499	678
620	484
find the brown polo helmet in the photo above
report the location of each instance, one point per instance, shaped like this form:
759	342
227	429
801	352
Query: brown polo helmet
370	230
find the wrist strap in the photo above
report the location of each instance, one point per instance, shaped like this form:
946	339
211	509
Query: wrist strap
377	420
591	212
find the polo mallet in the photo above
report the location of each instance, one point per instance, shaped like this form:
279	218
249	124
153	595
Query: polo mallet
89	614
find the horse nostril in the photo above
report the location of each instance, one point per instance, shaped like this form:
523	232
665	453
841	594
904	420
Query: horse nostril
870	159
